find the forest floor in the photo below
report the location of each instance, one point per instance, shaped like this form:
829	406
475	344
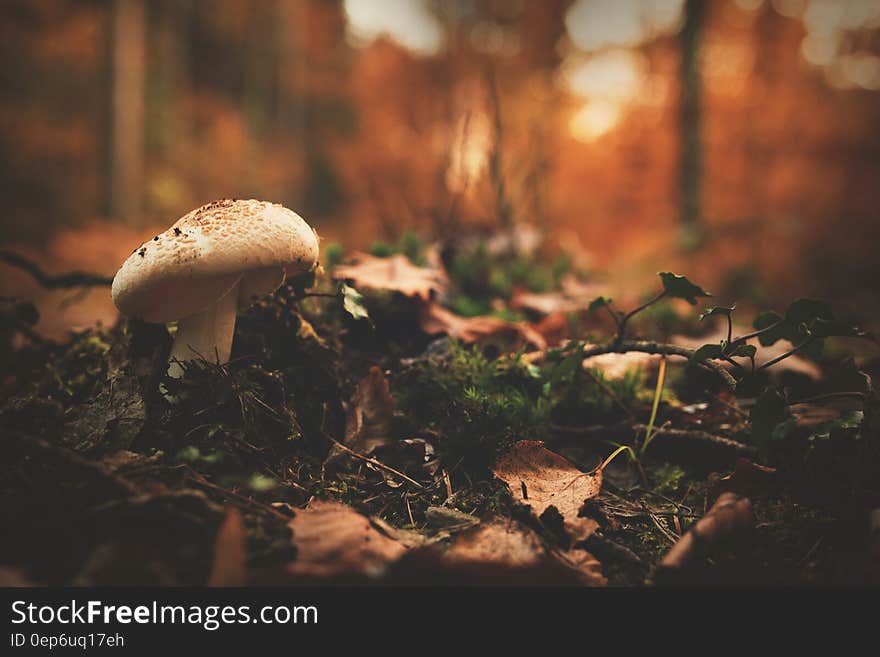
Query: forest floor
438	416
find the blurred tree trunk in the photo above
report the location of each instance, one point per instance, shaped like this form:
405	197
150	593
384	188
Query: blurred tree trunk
290	110
126	170
690	172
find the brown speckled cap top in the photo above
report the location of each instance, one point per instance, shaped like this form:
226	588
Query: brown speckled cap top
207	252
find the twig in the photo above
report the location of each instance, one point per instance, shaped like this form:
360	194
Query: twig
755	334
647	347
326	295
829	396
700	436
57	281
788	353
608	391
621	328
201	481
372	461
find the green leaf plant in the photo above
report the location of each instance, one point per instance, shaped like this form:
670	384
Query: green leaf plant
806	324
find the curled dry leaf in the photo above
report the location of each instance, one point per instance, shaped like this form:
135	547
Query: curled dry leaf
394	273
368	417
501	552
509	335
573	296
729	516
230	552
542	479
334	540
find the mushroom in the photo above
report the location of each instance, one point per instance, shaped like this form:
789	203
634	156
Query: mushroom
208	265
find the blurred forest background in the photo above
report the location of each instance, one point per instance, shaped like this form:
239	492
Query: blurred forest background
736	140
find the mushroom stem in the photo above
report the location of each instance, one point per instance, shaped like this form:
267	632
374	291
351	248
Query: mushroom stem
207	334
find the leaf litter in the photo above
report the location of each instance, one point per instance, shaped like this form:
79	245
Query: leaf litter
237	465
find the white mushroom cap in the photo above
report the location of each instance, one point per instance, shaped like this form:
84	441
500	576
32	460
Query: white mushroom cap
208	252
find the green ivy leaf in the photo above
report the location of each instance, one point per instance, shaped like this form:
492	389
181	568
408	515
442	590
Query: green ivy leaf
804	319
353	302
744	350
717	310
849	422
707	352
679	287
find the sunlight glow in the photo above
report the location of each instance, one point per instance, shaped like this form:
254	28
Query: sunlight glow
408	22
597	24
612	75
594	120
827	22
470	153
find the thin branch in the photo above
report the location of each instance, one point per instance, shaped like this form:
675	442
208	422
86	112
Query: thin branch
788	353
199	480
621	327
647	347
703	437
608	391
57	281
755	334
372	461
326	295
830	396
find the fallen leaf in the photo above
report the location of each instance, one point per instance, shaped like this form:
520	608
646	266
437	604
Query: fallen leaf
616	366
500	542
395	273
114	418
553	328
436	319
230	552
543	479
573	296
729	516
368	417
334	540
500	552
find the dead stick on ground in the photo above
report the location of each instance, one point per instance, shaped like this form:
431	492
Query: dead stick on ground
373	461
201	481
647	347
58	281
700	437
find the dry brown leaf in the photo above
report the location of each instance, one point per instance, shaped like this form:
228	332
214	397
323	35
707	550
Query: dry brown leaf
502	552
501	542
573	296
230	552
542	479
616	366
395	273
727	517
368	416
334	540
509	335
